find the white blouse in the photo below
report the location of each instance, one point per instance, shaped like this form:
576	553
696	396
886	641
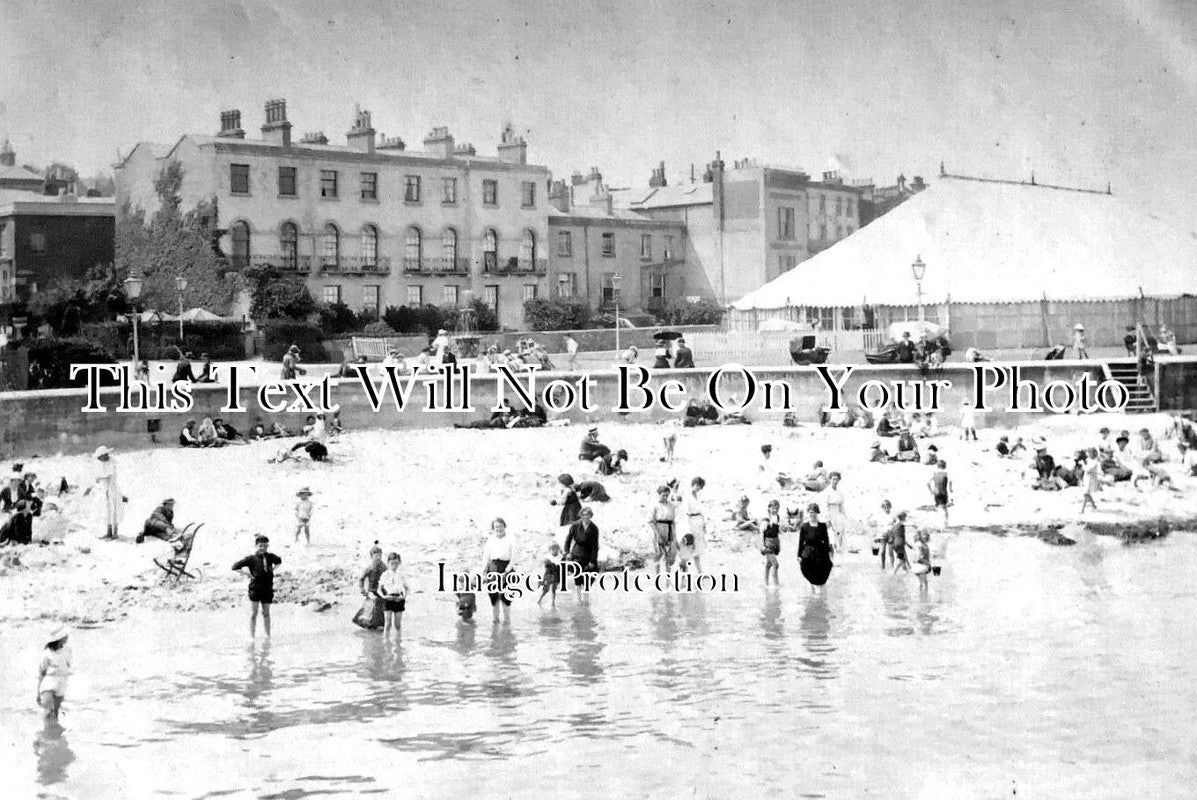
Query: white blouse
497	549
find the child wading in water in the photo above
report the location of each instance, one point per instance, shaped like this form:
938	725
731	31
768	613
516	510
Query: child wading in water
52	675
940	486
392	590
771	545
303	514
552	575
922	559
1092	479
261	582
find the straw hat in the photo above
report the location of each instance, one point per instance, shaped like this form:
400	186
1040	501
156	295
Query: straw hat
57	634
1078	327
304	492
103	450
441	332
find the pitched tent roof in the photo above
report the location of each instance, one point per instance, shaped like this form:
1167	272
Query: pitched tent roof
992	241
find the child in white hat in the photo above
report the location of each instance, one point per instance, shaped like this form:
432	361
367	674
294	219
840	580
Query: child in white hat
53	673
303	514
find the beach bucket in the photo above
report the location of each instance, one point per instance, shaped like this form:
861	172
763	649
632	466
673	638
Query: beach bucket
935	570
876	549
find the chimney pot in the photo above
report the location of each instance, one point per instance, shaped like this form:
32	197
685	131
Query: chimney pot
362	135
230	124
277	129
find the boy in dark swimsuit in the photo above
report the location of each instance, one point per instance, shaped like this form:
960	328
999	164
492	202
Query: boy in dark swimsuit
897	543
261	582
940	486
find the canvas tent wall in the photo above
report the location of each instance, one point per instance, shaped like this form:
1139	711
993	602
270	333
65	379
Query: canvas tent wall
1013	264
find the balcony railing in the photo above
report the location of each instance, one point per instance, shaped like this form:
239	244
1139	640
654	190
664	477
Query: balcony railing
524	266
289	262
448	266
357	265
413	264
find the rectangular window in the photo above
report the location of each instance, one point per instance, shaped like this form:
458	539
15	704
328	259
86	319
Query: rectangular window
529	291
449	296
567	284
37	243
610	291
785	222
239	178
490	296
369	185
328	183
656	286
415	295
565	244
411	189
827	318
528	194
3	243
332	295
449	191
490	193
609	245
371	296
646	245
286	181
667	251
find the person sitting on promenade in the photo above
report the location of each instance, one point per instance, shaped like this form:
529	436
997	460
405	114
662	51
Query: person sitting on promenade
683	356
227	432
207	435
735	416
183	368
188	436
905	349
161	523
700	412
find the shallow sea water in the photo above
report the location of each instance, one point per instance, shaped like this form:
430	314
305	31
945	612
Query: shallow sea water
1028	671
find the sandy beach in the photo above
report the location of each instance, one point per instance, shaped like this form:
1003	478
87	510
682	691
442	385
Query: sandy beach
464	478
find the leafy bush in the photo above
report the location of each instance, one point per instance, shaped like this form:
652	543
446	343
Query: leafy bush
556	315
681	312
98	296
379	328
281	334
278	294
50	362
337	318
221	340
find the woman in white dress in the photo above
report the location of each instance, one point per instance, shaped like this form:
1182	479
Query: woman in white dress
497	555
110	491
695	514
832	502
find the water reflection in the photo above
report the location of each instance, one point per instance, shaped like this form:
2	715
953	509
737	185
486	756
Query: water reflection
815	629
895	596
54	754
466	635
770	616
261	673
584	648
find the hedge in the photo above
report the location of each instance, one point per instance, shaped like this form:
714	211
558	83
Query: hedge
50	361
278	335
223	341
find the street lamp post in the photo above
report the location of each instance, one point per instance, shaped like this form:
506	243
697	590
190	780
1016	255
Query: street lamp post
615	281
133	285
919	269
18	327
180	284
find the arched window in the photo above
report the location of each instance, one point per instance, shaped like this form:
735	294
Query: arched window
330	247
413	254
288	245
449	249
490	253
369	247
240	234
528	250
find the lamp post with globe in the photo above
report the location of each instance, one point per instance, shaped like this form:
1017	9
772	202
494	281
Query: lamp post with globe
133	285
918	269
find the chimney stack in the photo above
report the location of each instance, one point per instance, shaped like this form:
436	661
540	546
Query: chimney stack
439	142
658	178
392	143
277	130
361	136
832	176
512	148
8	156
559	196
313	137
230	124
465	149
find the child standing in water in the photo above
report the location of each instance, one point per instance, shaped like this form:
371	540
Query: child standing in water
392	588
940	485
261	582
303	514
922	559
53	673
771	544
897	543
552	575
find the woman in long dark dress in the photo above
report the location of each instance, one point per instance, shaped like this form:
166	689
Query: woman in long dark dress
370	616
582	546
814	549
571	506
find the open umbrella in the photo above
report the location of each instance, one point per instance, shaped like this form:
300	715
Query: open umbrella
666	336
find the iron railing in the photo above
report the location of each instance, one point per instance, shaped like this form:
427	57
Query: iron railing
282	261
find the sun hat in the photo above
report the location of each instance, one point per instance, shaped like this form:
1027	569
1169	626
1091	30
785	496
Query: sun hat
304	491
1078	327
593	429
57	634
170	500
103	450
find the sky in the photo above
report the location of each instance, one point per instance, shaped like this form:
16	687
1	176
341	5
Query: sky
1079	91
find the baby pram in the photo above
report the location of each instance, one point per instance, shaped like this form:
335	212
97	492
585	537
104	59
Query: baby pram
175	566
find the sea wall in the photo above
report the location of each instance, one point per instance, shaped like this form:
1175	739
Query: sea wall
53	421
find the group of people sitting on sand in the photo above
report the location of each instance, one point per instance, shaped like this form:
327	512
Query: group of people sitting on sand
605	460
510	418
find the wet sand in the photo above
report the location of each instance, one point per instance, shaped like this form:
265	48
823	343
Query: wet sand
430	495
